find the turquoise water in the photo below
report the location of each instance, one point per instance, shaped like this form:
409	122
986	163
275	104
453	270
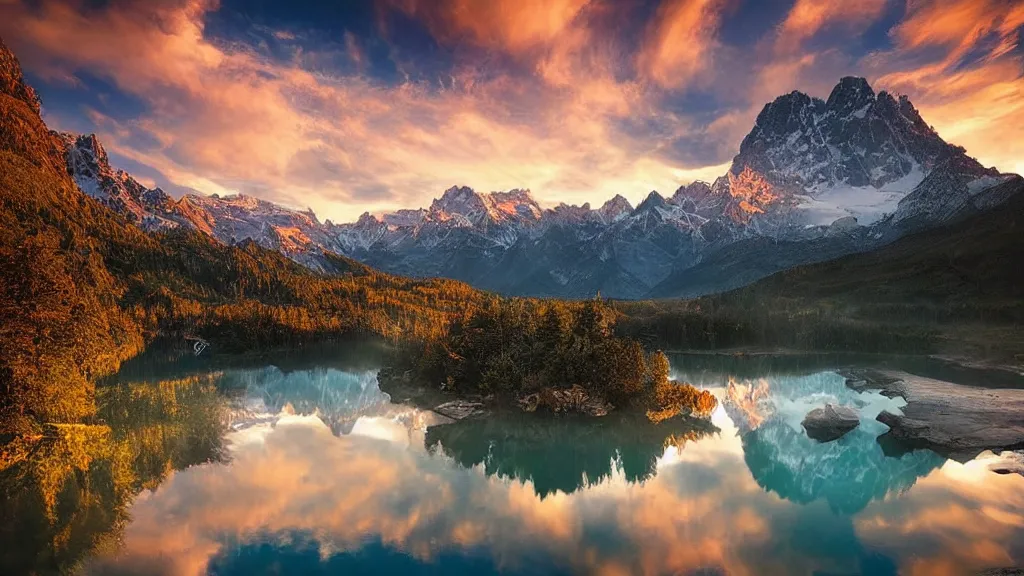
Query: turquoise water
311	470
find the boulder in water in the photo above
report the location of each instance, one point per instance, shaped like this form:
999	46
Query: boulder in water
831	422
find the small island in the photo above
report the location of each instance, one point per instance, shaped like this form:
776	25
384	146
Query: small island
548	356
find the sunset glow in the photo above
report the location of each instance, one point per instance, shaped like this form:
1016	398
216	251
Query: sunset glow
383	105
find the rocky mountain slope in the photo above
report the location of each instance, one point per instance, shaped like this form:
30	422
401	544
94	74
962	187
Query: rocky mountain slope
813	180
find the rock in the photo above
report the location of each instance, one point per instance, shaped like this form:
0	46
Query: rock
460	409
957	421
862	379
831	422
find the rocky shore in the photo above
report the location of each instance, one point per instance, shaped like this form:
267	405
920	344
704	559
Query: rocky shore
954	420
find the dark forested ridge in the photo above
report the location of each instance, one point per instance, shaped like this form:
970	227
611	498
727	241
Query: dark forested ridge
955	290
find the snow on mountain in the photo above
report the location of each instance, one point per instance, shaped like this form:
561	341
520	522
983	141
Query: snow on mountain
856	154
89	166
476	209
823	205
233	218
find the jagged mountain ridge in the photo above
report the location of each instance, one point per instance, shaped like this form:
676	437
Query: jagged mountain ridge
814	179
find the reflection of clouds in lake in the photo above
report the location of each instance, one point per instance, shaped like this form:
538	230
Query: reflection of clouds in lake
701	510
959	519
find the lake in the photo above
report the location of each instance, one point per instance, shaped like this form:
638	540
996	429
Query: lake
299	464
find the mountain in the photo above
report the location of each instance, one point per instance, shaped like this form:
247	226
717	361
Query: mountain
813	180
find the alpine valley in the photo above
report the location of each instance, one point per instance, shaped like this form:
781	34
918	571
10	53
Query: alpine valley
813	180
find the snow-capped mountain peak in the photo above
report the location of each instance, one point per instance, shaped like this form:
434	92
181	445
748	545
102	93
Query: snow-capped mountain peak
614	209
462	203
89	166
850	96
653	201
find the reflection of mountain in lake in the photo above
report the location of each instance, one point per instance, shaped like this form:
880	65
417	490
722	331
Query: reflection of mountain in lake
564	453
338	397
848	473
749	402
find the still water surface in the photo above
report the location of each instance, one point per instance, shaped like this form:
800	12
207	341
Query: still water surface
303	466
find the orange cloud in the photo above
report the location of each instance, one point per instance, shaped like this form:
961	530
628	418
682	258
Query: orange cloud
957	22
511	25
681	41
227	119
808	17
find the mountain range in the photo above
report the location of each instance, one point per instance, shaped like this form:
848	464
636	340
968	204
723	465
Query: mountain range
813	180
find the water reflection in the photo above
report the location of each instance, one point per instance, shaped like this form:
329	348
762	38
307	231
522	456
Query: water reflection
848	473
68	497
310	470
564	453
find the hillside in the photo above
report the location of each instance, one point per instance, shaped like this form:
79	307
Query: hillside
972	263
955	290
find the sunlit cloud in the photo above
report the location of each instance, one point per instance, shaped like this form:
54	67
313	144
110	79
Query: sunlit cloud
807	17
510	25
577	100
961	64
682	39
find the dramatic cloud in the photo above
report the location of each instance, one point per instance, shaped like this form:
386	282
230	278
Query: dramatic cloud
808	17
376	107
682	41
511	25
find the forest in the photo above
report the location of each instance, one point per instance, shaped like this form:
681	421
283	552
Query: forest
515	349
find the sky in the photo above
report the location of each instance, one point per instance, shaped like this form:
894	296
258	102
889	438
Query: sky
352	106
